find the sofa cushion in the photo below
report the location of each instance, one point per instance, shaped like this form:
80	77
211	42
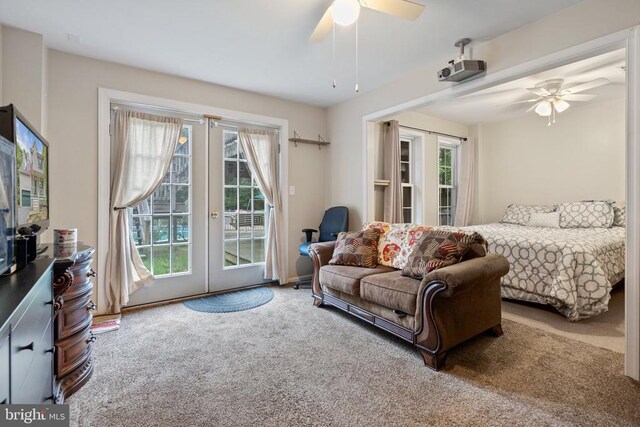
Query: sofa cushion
345	278
392	290
437	249
359	249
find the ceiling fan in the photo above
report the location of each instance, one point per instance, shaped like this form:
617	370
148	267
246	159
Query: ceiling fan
346	12
552	98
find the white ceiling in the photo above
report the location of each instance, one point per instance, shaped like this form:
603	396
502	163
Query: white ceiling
261	45
496	104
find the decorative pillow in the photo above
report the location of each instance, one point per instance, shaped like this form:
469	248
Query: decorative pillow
595	214
520	214
437	249
359	249
396	241
548	220
620	215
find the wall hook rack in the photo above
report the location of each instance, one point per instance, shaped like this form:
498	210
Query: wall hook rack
297	140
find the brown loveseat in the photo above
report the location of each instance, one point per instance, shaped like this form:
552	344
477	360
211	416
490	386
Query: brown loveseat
449	306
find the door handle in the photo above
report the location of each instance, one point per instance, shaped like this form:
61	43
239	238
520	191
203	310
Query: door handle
214	214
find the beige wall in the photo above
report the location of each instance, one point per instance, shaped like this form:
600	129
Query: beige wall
24	73
426	161
73	102
580	23
581	157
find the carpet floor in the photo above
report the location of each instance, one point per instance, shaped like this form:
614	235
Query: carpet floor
605	330
289	363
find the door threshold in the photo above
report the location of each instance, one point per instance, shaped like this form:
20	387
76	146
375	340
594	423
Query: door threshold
190	297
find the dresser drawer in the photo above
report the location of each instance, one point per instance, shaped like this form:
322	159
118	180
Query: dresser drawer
38	384
4	367
74	316
29	335
73	351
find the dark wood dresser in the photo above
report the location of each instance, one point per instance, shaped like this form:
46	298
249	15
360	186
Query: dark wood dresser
72	326
26	334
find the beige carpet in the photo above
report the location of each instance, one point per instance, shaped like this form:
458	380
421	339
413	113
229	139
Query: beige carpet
288	363
605	330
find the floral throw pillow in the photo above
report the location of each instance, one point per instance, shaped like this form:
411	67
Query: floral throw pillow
438	249
359	249
396	241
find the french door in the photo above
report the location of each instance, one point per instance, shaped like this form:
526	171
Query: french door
204	229
168	226
237	215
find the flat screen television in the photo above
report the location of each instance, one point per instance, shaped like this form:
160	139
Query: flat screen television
31	167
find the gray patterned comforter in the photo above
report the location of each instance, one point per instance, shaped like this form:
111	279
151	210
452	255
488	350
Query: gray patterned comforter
571	269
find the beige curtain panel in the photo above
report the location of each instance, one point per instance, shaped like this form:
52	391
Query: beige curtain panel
393	192
260	146
143	146
466	185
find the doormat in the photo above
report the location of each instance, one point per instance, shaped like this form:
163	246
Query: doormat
229	302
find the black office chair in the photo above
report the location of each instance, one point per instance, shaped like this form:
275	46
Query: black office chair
335	220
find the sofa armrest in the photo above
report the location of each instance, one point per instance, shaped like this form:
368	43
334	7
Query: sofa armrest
464	275
320	254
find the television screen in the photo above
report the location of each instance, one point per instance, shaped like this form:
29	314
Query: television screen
32	194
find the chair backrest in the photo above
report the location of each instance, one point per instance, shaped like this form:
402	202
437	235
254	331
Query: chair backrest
335	220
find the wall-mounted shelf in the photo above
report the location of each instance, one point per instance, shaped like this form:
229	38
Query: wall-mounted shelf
297	140
381	182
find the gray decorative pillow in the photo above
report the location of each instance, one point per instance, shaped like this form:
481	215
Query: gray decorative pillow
585	215
620	215
521	214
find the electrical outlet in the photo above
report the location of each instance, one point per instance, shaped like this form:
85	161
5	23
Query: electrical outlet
292	190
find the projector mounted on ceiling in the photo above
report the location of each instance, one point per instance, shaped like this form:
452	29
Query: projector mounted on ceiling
460	69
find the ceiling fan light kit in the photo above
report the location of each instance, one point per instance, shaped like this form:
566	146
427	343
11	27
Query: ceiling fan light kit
345	12
552	97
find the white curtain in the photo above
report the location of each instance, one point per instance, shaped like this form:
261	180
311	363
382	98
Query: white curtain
466	187
392	193
144	147
260	146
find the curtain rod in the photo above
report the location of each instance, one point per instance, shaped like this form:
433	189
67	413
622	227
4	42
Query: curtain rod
200	121
432	132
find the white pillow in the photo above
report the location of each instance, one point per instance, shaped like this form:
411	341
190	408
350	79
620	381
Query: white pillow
520	214
548	220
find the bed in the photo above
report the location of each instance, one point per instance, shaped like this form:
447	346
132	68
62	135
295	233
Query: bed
572	269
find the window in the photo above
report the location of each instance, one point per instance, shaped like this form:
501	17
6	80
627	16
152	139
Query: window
161	225
406	172
244	208
447	181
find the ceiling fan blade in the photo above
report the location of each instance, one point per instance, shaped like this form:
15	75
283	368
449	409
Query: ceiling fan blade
323	28
533	107
540	91
402	8
578	97
526	101
585	86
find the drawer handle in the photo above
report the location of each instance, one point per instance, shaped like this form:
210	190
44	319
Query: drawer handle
51	350
91	273
4	402
49	398
91	306
26	347
91	339
49	302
